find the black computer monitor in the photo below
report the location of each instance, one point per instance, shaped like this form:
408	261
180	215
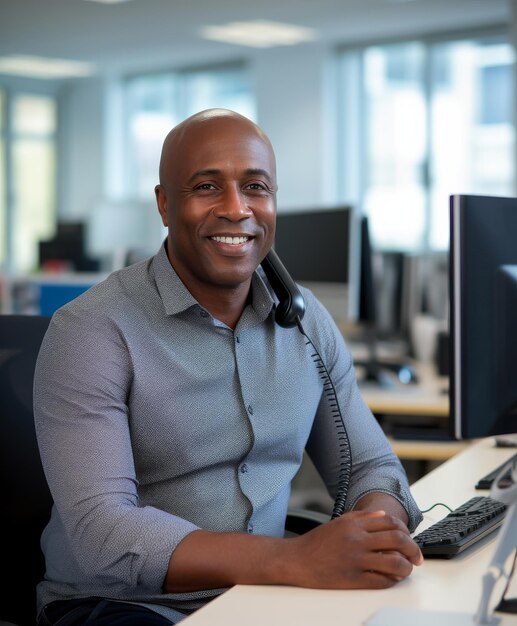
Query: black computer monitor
368	313
383	372
319	247
67	248
314	244
483	316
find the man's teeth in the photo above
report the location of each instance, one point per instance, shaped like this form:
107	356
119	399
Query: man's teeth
232	240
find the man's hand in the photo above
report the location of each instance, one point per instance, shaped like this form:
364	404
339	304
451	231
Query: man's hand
359	550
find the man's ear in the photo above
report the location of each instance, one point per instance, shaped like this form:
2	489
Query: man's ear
161	201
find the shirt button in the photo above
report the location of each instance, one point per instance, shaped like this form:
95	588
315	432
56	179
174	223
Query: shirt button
237	339
250	409
244	468
250	528
203	313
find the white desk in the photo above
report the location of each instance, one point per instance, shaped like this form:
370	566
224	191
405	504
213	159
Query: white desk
439	585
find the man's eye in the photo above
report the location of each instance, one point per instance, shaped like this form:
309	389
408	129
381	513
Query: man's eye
256	186
205	187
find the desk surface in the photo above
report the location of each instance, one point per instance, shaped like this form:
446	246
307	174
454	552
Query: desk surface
426	450
437	585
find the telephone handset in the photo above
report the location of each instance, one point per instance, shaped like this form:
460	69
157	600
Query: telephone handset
291	305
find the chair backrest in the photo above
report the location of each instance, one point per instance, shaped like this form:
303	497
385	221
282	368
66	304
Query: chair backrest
26	500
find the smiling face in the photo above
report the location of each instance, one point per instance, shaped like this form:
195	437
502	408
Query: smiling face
217	196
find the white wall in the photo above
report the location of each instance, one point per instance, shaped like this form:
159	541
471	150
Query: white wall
292	108
81	163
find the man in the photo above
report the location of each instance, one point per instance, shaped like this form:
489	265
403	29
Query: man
172	413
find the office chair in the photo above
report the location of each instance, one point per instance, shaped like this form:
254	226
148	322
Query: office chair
300	521
26	500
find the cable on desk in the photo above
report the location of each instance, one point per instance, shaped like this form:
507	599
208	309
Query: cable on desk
434	505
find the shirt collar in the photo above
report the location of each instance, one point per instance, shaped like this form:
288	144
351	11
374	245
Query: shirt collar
177	298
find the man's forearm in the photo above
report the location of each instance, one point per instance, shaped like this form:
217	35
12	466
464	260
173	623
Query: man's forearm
204	560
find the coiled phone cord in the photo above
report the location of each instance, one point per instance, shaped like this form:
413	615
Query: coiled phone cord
345	453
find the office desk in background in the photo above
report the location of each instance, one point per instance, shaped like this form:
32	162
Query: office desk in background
428	396
437	585
44	292
415	416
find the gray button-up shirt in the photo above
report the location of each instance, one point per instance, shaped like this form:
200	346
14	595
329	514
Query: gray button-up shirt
155	419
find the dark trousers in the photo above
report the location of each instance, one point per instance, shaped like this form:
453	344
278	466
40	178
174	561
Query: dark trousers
98	612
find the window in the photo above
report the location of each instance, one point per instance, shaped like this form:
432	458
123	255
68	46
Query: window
158	102
34	175
395	142
435	118
471	117
27	176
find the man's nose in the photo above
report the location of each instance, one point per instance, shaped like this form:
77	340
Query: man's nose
233	204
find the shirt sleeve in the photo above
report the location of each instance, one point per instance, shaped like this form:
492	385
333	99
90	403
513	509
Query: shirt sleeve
375	467
82	381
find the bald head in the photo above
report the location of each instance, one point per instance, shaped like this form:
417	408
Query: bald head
196	130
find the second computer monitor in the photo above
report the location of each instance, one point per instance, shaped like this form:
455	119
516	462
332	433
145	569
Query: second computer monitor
483	315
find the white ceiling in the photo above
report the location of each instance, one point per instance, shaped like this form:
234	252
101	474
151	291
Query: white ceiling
153	33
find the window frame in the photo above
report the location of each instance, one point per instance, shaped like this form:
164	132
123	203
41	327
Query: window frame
350	149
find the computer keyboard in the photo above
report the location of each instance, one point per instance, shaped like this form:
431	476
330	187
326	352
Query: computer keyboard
461	528
488	479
